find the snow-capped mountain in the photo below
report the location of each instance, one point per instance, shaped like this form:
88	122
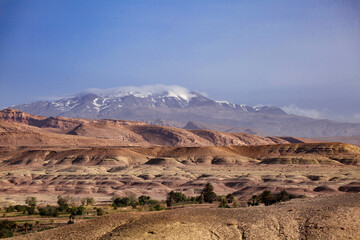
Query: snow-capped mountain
94	103
176	106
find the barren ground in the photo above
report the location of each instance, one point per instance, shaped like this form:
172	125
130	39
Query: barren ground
335	217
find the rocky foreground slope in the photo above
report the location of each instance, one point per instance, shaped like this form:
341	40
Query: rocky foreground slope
323	218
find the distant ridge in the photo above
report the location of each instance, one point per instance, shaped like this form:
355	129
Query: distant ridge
178	107
22	129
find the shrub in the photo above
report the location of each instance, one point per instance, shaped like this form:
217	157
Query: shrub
50	211
80	210
20	208
71	219
99	212
192	199
10	209
7	228
28	226
155	206
143	200
90	201
134	204
224	203
229	198
121	202
235	203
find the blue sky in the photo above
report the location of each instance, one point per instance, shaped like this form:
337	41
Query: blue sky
302	55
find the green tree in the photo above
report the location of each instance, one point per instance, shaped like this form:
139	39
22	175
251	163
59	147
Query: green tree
63	203
80	210
143	199
208	193
254	200
267	198
121	202
284	196
50	211
31	201
200	199
175	197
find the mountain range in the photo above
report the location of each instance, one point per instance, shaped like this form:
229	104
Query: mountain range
176	106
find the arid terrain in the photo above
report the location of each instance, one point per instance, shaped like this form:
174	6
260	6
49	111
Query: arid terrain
48	157
22	129
335	217
307	168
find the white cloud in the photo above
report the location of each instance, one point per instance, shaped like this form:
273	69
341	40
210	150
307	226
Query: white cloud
144	91
138	91
312	113
321	114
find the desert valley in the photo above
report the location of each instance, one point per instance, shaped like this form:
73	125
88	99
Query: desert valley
47	157
179	120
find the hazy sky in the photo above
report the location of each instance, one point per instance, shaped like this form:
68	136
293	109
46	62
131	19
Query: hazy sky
302	55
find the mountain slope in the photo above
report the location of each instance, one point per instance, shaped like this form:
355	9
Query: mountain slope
355	140
176	106
21	129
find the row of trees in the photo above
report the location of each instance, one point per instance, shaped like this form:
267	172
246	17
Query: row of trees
207	195
143	200
268	198
64	205
29	208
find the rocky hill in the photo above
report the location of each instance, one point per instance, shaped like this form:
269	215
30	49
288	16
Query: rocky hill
21	129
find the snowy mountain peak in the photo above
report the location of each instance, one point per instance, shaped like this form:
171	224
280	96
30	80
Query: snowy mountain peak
158	90
123	102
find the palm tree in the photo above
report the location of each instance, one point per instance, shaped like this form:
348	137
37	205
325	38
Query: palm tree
267	197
